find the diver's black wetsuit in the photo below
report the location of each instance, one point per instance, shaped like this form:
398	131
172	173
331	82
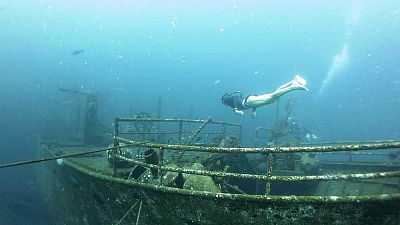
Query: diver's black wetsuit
235	100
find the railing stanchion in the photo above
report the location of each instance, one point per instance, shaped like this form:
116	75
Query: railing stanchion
180	132
269	174
160	166
116	143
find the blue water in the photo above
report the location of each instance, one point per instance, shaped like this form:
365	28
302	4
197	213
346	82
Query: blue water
190	53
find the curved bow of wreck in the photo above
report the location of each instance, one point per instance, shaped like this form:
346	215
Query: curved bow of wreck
175	171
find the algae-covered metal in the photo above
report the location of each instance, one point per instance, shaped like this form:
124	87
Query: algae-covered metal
95	190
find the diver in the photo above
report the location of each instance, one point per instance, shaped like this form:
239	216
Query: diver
236	101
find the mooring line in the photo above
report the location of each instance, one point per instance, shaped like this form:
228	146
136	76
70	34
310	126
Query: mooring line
126	214
2	166
139	211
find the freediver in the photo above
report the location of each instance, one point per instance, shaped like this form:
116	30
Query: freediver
236	101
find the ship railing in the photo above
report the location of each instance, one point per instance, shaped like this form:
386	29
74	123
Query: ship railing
184	131
183	134
268	151
349	154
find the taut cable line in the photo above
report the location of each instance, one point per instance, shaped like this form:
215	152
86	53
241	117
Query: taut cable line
14	164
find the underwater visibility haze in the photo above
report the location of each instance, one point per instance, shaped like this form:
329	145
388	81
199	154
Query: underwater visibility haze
188	54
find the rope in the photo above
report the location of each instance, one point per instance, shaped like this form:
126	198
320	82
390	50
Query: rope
140	210
2	166
126	214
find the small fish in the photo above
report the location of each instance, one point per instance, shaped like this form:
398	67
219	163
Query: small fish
77	52
216	82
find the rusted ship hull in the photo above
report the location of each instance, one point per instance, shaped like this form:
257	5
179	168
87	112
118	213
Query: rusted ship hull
80	195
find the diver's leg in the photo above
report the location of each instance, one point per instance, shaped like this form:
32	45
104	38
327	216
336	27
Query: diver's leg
285	85
298	83
254	101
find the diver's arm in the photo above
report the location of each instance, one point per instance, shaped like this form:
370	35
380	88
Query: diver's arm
253	113
239	112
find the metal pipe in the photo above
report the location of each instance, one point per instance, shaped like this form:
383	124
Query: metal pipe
265	177
194	135
173	120
337	148
197	132
361	153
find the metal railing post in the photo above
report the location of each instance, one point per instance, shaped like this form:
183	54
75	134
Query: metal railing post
269	174
160	166
180	132
116	143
